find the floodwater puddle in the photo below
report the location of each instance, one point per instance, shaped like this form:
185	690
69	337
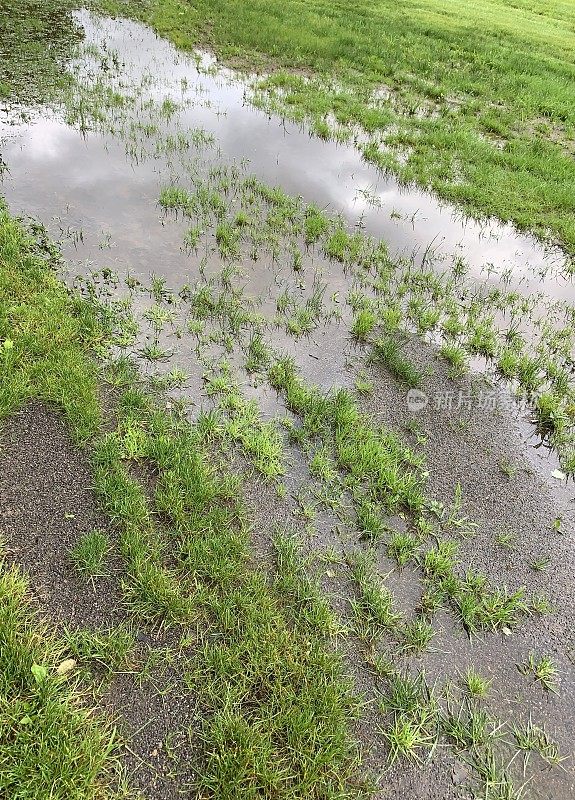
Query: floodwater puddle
149	117
89	184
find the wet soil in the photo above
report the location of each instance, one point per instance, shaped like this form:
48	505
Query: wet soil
46	504
507	486
474	436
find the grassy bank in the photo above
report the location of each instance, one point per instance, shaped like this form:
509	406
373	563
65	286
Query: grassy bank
474	101
50	746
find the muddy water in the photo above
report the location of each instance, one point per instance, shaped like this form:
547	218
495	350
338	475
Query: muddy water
89	184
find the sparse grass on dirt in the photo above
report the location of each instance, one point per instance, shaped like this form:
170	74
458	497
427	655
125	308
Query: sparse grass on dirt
50	743
266	681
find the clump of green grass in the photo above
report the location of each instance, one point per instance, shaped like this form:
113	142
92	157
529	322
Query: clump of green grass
478	605
475	684
258	354
192	237
174	198
316	224
374	605
322	466
471	728
262	441
506	539
363	385
482	339
413	717
343	246
89	553
369	521
531	738
550	413
150	589
387	352
417	634
154	353
568	461
494	775
363	324
228	240
53	744
457	358
158	316
483	607
402	547
529	373
438	563
108	647
541	563
543	670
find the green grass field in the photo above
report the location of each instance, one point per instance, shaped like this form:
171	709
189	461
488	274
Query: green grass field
481	104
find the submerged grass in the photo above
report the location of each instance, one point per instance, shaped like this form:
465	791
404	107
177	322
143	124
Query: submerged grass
474	101
37	37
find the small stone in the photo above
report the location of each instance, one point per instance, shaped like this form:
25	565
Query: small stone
459	774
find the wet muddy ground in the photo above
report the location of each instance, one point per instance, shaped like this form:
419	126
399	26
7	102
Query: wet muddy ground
192	297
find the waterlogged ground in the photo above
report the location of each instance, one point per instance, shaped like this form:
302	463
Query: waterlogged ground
245	262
